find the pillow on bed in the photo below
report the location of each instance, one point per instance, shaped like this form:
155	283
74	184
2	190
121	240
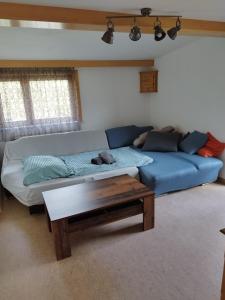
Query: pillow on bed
121	136
166	129
143	129
193	142
124	136
213	147
139	141
161	141
39	168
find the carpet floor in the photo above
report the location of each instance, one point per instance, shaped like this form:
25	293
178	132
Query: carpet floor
181	259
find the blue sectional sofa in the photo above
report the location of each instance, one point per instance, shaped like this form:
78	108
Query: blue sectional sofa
170	171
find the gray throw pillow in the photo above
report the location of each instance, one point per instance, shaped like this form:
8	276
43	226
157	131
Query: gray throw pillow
162	141
139	142
193	142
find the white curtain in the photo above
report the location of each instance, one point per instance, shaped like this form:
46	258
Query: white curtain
38	101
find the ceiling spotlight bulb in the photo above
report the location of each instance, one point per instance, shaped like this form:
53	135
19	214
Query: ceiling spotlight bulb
159	32
135	33
172	33
108	35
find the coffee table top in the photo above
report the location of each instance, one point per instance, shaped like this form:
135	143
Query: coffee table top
87	197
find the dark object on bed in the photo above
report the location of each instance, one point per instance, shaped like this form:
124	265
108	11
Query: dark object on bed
97	161
107	158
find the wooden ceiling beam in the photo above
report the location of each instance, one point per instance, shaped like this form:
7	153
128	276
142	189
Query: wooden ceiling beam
75	63
37	16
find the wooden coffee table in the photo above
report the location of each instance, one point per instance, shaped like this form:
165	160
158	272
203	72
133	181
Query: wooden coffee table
85	205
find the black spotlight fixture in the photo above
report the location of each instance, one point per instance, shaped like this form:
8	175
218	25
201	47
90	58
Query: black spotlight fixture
108	35
135	33
172	33
159	32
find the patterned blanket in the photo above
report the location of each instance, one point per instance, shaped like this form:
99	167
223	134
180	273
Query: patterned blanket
80	164
39	168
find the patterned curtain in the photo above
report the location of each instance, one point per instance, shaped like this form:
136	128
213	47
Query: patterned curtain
38	101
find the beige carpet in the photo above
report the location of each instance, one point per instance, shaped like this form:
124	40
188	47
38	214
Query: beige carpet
181	259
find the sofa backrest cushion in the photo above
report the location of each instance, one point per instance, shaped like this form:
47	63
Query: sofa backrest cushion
162	141
193	142
56	144
124	136
143	129
121	136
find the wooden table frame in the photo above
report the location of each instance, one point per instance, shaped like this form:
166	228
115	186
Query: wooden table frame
139	201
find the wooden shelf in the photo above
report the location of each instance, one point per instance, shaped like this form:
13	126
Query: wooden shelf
149	82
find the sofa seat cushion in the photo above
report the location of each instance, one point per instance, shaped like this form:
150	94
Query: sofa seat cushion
201	163
176	171
166	173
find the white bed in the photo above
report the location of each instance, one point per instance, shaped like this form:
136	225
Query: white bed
54	144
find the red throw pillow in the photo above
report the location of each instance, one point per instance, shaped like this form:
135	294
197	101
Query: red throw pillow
213	147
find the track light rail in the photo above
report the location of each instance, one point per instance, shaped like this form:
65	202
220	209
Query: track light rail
135	33
140	16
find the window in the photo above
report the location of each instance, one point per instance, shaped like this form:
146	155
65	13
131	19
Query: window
37	101
55	103
11	94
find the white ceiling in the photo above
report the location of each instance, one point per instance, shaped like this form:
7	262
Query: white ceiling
26	43
199	9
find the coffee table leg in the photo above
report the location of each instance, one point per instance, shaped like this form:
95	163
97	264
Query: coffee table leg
61	238
48	220
148	212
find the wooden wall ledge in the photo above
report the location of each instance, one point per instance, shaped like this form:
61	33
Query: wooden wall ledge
75	63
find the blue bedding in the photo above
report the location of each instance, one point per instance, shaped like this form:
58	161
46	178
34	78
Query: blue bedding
40	168
80	164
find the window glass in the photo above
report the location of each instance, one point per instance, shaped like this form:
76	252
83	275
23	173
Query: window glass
12	101
50	98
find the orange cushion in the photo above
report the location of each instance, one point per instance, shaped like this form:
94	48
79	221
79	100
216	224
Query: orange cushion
213	147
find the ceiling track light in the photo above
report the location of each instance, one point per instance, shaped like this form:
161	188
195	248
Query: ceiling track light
159	33
108	35
135	33
172	33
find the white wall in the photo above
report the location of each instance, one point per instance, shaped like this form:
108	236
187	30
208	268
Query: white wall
192	88
111	97
75	44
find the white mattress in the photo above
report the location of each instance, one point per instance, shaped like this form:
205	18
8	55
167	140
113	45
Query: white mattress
12	180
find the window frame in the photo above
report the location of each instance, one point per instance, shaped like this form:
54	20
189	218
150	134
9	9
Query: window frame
70	75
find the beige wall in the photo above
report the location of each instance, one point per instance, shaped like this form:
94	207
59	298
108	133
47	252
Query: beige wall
111	97
192	88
